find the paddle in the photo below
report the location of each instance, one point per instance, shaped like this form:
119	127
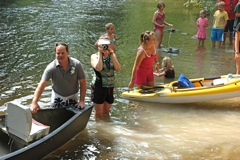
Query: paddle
154	87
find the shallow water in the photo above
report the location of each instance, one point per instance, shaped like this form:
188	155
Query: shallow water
137	130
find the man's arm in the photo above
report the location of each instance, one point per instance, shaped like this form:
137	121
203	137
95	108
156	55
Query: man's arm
38	92
83	90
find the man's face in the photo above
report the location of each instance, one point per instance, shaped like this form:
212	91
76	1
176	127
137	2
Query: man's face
61	53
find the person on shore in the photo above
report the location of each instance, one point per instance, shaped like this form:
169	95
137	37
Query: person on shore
202	23
142	72
159	23
104	64
67	76
229	8
167	69
219	23
109	35
237	49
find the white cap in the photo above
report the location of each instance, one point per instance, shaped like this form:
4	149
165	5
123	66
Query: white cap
103	41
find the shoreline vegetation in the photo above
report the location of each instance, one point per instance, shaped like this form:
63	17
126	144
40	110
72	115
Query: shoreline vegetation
207	5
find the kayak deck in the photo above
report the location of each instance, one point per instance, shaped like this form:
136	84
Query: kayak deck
204	89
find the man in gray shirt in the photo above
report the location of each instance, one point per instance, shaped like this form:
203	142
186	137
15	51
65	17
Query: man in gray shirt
67	77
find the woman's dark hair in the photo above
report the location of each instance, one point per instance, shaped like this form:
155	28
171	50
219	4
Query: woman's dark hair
204	12
63	44
160	4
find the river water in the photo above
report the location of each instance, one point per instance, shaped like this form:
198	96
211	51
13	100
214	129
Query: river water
137	130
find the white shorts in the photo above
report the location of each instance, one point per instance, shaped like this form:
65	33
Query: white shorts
58	101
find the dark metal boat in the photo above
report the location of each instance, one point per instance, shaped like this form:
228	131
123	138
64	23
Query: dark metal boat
65	123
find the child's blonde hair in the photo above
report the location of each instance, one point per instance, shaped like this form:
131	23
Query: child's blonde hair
109	25
221	4
167	63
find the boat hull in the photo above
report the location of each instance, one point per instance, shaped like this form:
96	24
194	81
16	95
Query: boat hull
64	126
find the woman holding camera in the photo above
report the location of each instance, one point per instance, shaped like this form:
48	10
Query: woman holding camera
104	64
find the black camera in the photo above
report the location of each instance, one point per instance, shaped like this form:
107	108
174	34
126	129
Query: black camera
105	47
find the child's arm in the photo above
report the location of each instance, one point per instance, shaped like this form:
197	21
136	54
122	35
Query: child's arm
159	74
168	24
225	24
213	22
206	23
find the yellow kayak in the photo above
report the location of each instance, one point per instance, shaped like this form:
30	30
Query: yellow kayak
200	90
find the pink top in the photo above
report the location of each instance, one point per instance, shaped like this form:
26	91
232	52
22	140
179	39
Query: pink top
160	19
201	28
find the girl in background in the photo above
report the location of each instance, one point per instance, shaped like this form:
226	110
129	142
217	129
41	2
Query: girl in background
159	23
202	23
167	69
110	36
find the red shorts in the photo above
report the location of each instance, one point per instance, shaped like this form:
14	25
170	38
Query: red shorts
143	76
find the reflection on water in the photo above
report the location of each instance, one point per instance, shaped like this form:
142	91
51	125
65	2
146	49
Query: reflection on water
138	130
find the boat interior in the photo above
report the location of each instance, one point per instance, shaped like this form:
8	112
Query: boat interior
19	127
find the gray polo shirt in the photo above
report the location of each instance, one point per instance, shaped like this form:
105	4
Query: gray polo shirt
64	83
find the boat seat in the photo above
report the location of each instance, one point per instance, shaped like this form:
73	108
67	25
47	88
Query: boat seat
19	123
220	81
184	82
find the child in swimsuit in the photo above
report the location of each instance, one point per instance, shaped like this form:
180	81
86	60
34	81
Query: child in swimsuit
109	35
167	69
159	23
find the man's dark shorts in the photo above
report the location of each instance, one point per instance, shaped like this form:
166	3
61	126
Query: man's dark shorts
229	26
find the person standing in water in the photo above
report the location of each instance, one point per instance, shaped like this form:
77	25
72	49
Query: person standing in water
229	8
67	76
220	19
202	23
159	23
142	72
104	64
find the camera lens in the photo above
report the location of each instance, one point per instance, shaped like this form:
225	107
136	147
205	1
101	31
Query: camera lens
105	47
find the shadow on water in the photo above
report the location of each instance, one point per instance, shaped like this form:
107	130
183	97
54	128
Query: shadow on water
137	130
